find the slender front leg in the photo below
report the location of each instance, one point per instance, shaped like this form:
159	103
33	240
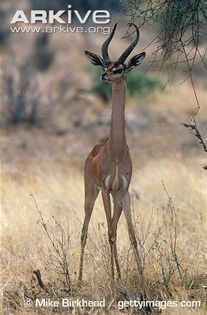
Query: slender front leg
132	237
91	193
115	220
107	208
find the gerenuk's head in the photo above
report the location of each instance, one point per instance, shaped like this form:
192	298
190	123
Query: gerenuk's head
115	70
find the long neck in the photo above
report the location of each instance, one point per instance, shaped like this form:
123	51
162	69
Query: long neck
117	138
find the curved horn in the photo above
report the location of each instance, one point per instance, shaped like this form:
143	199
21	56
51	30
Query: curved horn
126	53
104	49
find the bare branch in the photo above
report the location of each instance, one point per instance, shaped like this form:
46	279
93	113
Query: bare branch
197	134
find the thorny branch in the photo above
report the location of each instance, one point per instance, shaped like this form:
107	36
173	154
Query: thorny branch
181	33
197	134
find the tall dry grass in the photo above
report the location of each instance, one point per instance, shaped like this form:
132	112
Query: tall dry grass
168	206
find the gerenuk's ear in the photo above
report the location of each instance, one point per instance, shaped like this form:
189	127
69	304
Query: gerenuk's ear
135	61
94	59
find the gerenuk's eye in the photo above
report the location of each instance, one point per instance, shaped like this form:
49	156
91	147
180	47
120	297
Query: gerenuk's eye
117	71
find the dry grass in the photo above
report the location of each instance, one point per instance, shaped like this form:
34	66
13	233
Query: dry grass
59	192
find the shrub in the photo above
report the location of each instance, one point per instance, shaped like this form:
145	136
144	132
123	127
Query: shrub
138	83
20	82
42	57
21	95
141	83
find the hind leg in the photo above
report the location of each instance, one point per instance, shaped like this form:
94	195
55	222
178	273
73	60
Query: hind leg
132	237
91	193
